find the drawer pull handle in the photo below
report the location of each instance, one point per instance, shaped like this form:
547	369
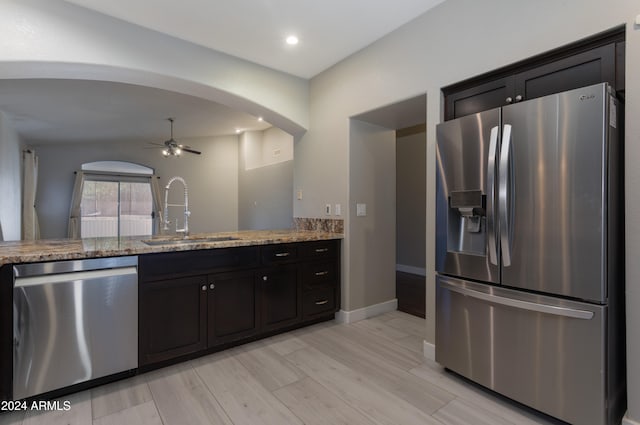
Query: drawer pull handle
322	250
323	302
283	254
322	273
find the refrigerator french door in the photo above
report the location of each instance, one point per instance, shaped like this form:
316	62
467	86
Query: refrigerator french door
529	291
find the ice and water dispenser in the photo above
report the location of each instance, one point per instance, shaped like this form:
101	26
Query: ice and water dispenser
467	222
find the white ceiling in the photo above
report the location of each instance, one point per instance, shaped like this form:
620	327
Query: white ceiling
67	111
58	111
255	30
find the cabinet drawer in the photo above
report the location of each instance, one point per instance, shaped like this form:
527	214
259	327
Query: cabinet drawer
319	301
320	249
315	274
282	253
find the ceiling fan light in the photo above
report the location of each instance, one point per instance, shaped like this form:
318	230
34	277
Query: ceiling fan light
177	151
165	152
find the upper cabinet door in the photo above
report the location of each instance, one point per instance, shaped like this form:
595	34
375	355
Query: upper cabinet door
580	70
599	59
479	98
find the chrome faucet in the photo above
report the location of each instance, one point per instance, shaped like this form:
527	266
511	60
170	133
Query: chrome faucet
187	213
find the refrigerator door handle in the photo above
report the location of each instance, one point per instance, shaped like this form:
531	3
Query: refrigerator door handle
504	195
524	305
491	196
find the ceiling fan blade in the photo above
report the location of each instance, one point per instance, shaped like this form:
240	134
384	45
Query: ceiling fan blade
157	144
186	149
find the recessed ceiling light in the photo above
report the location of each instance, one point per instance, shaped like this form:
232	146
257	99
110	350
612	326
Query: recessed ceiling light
237	130
260	119
292	40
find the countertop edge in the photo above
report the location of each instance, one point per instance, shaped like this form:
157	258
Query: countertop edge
21	252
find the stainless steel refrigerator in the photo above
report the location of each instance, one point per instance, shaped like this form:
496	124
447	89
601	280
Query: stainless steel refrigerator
530	253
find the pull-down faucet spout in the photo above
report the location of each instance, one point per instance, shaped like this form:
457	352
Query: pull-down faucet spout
187	213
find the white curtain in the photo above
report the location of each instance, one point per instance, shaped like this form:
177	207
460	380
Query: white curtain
157	205
30	226
74	211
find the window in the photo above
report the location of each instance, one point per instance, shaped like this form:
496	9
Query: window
113	199
115	208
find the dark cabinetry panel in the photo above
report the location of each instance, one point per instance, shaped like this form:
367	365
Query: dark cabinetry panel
483	97
6	331
592	61
580	70
188	263
194	302
233	307
280	297
319	301
173	316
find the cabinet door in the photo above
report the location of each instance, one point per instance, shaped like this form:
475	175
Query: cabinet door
233	308
173	318
6	331
594	66
281	297
483	97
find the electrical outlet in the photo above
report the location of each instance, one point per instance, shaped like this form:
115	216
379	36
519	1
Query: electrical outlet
361	210
299	194
327	209
337	210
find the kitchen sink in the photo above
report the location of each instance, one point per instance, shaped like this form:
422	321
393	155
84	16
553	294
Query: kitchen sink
188	241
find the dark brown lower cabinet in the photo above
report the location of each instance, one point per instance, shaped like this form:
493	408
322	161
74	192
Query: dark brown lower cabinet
233	307
236	294
280	297
172	318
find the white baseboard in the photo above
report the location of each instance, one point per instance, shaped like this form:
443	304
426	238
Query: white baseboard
363	313
429	350
627	421
411	269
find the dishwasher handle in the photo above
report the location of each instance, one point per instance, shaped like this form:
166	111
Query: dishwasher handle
22	282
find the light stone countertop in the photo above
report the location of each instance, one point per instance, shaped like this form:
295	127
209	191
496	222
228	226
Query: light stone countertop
15	252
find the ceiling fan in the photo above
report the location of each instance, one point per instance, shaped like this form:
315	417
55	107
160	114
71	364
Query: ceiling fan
173	148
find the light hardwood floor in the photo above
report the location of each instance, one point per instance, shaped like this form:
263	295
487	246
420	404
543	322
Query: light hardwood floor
370	372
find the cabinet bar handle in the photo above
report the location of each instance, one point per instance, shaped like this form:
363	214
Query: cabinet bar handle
322	273
322	302
282	254
322	249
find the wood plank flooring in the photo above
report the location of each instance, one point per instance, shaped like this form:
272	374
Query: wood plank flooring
370	372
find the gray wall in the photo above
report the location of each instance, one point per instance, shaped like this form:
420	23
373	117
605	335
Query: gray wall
411	193
10	181
265	197
373	152
265	180
212	179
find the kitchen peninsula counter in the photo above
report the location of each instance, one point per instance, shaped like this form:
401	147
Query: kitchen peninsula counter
15	252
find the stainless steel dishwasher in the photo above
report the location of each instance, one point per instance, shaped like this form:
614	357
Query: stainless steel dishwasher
73	321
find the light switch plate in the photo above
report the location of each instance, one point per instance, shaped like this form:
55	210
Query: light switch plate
327	209
361	210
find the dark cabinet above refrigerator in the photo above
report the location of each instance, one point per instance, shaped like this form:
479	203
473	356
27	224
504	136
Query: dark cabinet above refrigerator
599	59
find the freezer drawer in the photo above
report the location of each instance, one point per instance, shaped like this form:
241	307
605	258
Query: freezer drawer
541	351
74	321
